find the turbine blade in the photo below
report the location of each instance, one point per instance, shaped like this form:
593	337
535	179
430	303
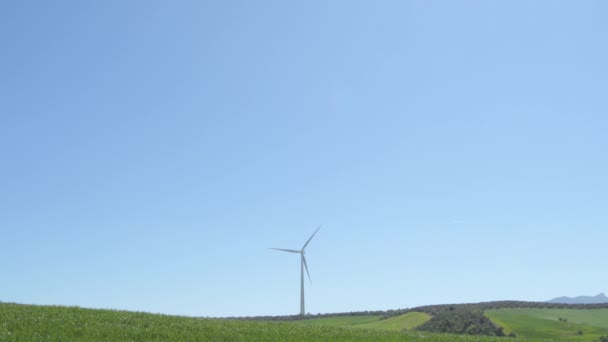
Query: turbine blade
286	250
313	235
306	267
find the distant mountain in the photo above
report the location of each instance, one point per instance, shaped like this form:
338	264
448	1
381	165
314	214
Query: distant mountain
599	299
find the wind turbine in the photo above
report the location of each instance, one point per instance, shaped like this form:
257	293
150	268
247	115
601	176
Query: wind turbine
303	266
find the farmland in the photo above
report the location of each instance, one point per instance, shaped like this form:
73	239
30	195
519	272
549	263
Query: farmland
339	321
408	321
556	324
527	320
47	323
52	323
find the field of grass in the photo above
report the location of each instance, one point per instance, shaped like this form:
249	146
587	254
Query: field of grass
545	323
339	321
48	323
406	321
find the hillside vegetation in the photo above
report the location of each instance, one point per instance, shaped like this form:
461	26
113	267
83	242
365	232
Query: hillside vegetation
467	319
461	320
556	324
48	323
547	324
408	321
339	321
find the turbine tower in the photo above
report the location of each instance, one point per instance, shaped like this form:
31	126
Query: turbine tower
303	266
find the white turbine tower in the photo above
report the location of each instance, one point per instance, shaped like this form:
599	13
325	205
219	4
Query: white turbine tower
303	266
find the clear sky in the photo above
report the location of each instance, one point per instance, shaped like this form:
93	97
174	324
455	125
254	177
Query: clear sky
151	152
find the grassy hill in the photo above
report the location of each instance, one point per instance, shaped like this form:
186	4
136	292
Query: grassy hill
546	323
531	320
339	321
408	321
542	324
49	323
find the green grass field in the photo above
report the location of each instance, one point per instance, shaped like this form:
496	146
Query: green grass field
339	321
545	324
406	321
48	323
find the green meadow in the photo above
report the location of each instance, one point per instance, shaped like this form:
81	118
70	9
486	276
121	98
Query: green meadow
52	323
49	323
408	321
339	321
576	324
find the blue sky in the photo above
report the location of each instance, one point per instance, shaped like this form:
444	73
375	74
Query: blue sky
152	151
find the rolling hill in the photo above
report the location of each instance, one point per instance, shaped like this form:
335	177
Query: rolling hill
554	324
407	321
528	321
52	323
